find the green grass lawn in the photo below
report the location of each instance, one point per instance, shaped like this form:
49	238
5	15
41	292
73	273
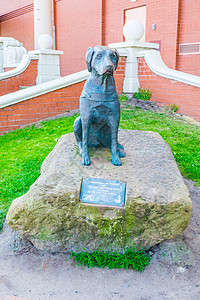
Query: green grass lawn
23	151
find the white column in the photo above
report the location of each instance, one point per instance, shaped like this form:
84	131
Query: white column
48	64
130	49
42	19
131	82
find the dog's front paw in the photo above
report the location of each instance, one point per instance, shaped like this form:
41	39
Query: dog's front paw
121	151
116	160
85	160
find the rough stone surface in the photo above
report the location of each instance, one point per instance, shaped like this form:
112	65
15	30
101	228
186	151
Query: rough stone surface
158	205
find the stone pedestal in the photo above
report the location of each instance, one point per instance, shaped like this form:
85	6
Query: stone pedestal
157	204
48	64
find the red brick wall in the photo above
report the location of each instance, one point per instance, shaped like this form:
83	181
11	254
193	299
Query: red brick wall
10	6
81	23
114	18
49	104
189	32
41	107
27	78
78	26
119	75
165	15
166	91
18	23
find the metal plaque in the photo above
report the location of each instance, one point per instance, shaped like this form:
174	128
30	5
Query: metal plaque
103	192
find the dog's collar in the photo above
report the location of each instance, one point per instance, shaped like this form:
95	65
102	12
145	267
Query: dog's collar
100	97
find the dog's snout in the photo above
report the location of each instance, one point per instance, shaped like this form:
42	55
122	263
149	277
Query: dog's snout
108	65
109	68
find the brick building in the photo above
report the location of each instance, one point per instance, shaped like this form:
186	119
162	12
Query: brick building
76	25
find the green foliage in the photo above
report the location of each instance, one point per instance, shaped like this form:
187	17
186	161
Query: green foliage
123	97
143	94
131	259
173	107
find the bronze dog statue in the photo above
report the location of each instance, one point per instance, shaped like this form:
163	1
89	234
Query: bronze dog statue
99	106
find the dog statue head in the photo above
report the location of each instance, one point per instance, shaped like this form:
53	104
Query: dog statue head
102	60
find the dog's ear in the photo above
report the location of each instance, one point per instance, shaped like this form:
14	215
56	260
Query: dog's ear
89	56
117	58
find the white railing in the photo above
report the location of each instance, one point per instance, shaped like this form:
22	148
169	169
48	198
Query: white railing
156	64
43	88
152	58
26	59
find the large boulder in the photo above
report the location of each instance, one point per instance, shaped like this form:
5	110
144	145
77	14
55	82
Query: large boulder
157	205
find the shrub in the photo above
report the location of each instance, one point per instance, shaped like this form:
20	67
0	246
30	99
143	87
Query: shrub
123	97
173	107
143	94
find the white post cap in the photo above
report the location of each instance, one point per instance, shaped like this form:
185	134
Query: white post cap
133	30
